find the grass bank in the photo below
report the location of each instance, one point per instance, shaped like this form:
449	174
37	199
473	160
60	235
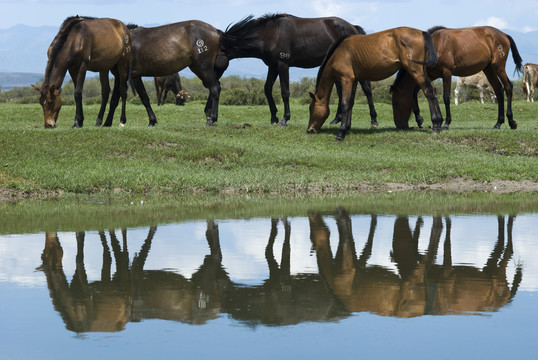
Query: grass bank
245	154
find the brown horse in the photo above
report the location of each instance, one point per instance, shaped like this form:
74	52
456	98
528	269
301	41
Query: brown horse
373	57
283	41
167	49
84	44
461	52
164	84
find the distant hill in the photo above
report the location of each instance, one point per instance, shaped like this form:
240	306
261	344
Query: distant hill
23	49
11	80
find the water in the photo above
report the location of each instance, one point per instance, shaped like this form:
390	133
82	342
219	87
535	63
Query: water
314	283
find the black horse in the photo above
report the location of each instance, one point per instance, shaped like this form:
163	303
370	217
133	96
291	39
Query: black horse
283	41
167	49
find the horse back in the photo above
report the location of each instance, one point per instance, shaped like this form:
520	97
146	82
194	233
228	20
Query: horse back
167	49
467	51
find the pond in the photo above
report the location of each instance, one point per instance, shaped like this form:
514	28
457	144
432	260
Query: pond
317	278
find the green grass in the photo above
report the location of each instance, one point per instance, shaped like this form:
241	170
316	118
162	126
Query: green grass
244	153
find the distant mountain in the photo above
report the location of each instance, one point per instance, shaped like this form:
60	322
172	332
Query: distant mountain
11	80
23	49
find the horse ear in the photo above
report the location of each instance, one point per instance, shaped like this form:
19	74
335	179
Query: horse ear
36	87
313	96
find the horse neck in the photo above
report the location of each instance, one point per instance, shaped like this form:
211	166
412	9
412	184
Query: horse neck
325	85
56	71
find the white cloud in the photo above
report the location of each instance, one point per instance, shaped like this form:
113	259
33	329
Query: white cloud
493	21
328	8
527	29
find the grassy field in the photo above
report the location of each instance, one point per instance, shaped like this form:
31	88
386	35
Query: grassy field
244	153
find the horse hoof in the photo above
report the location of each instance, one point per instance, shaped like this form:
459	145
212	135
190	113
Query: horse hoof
445	127
497	127
339	139
122	125
513	125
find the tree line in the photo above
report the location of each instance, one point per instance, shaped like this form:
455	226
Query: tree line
236	90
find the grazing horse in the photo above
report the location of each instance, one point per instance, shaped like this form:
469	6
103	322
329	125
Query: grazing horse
461	52
478	81
530	80
171	83
373	57
283	41
167	49
84	44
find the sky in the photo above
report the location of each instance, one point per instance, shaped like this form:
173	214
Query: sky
371	15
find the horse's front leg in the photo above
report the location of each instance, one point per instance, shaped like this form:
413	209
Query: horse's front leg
338	116
141	91
284	74
348	96
105	93
367	89
78	79
272	74
416	109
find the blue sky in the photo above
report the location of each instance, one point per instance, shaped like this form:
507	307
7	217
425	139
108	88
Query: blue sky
371	15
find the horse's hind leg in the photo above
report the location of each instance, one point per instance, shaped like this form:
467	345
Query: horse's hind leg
493	78
114	100
105	93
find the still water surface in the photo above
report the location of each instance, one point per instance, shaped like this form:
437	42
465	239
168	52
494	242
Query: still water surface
323	284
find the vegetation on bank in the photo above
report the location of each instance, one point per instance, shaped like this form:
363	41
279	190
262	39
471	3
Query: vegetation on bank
236	90
244	153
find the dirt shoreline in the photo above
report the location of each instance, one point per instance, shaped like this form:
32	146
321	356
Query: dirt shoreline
456	186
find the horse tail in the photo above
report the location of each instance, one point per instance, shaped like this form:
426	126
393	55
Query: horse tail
515	54
330	53
430	59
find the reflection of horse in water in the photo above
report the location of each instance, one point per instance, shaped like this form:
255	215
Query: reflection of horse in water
132	293
345	283
422	287
283	299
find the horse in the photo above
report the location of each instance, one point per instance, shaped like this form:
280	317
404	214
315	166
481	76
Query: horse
530	80
373	57
167	49
283	41
478	81
171	83
462	52
83	44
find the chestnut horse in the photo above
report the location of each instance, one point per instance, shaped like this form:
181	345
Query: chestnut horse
84	44
167	49
283	41
462	52
373	57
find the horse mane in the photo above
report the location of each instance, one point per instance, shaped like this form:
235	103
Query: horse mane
60	38
359	29
245	33
330	53
435	28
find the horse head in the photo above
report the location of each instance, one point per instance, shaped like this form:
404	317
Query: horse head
319	112
51	102
402	100
181	97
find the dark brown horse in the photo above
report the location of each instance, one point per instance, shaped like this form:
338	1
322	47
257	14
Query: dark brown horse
373	57
164	84
283	41
84	44
165	50
461	52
